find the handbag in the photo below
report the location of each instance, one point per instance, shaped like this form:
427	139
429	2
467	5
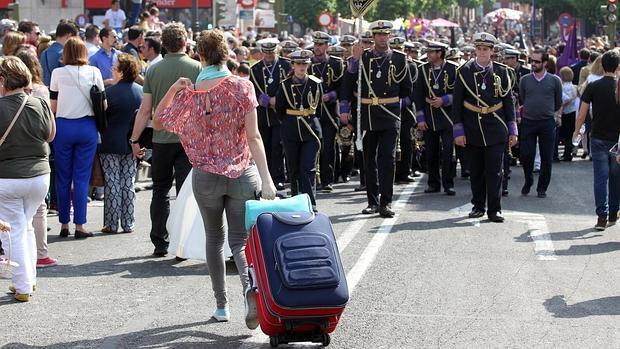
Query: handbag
17	114
96	175
96	100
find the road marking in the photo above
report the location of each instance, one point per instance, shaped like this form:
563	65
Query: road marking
465	209
372	249
537	229
539	232
347	236
354	276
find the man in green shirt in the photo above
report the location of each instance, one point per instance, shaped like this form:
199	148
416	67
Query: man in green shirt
169	159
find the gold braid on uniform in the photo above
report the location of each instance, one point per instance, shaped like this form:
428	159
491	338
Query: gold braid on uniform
331	74
446	82
397	78
314	101
499	90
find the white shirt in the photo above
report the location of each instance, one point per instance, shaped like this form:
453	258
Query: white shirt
72	99
116	18
92	48
153	61
569	93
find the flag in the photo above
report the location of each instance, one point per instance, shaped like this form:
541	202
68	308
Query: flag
569	55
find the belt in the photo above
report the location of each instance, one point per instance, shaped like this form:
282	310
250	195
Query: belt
483	110
303	112
380	101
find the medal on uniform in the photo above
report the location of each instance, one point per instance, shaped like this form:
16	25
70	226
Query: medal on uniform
483	86
270	80
379	74
436	86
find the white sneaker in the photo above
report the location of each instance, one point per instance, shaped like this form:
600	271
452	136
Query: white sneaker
222	314
251	313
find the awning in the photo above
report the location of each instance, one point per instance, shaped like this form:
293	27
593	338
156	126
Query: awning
105	4
4	4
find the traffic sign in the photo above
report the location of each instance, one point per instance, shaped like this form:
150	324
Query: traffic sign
325	19
81	20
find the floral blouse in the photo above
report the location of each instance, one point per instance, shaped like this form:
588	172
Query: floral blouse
215	141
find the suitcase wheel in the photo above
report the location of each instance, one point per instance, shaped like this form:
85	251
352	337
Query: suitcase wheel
273	341
326	339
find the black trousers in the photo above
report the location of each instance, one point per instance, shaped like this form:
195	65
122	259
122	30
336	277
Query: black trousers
328	152
344	161
359	162
566	133
406	152
543	133
506	168
461	156
439	151
301	159
169	163
486	175
272	140
380	159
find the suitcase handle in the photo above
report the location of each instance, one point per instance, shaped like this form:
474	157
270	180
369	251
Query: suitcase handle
292	325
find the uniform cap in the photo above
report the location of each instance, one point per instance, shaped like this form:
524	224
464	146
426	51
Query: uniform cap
301	56
436	46
381	27
397	42
347	40
320	37
367	36
289	45
336	50
484	39
512	53
468	49
268	45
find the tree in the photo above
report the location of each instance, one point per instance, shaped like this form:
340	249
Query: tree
305	12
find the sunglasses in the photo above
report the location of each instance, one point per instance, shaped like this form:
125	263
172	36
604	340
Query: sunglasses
535	61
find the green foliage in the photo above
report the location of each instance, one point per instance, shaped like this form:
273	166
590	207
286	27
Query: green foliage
305	12
585	9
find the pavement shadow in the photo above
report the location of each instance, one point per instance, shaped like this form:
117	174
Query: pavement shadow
184	336
557	306
563	235
133	267
430	225
585	250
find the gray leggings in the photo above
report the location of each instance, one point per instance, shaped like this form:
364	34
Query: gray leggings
216	194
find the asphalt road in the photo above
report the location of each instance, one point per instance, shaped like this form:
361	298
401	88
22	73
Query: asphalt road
429	278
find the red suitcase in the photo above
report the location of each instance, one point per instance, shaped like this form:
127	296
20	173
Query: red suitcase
316	310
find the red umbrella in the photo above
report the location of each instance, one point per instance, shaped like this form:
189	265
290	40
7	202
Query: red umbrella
440	22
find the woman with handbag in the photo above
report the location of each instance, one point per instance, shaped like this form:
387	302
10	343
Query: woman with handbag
216	122
117	161
26	126
76	141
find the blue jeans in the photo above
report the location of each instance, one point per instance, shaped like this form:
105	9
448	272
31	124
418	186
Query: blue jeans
606	177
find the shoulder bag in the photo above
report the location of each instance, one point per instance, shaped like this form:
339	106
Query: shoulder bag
19	111
96	99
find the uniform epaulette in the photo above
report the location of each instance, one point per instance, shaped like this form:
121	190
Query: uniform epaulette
315	79
417	62
336	58
400	52
501	65
453	63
